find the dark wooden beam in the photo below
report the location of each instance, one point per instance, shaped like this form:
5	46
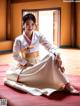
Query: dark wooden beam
73	24
21	1
8	20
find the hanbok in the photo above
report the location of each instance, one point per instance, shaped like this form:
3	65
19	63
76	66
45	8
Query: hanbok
44	76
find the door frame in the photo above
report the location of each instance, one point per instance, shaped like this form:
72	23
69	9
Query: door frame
45	9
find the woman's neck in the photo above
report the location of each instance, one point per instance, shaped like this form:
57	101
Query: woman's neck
29	35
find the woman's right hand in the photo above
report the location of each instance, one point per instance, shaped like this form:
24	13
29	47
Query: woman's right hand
26	65
29	64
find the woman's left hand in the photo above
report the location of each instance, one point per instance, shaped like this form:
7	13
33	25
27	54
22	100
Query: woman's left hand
58	61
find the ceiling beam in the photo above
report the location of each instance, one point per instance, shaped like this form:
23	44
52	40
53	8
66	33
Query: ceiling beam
21	1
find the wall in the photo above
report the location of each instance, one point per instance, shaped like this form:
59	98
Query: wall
2	20
16	13
4	44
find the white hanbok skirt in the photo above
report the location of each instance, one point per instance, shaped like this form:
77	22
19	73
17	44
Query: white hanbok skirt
42	78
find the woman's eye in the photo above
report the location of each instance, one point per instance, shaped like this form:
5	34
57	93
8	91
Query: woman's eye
27	24
32	24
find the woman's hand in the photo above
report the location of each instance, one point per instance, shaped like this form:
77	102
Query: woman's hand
26	65
58	61
29	64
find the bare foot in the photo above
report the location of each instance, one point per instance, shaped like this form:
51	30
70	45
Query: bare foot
71	89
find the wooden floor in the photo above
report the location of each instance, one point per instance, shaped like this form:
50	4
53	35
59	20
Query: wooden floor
70	58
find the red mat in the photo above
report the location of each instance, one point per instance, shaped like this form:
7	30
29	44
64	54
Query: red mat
18	98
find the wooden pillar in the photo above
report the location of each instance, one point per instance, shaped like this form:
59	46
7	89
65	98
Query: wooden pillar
73	24
8	19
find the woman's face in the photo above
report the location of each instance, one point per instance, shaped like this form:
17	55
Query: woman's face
29	26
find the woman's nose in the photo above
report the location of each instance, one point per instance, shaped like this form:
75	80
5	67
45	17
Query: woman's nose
30	26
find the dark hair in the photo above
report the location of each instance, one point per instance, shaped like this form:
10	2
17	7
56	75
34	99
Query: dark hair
29	16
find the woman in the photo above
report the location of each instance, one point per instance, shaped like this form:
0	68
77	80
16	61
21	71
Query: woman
32	74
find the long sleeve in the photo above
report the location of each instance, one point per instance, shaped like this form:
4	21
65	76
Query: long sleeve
51	48
16	53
